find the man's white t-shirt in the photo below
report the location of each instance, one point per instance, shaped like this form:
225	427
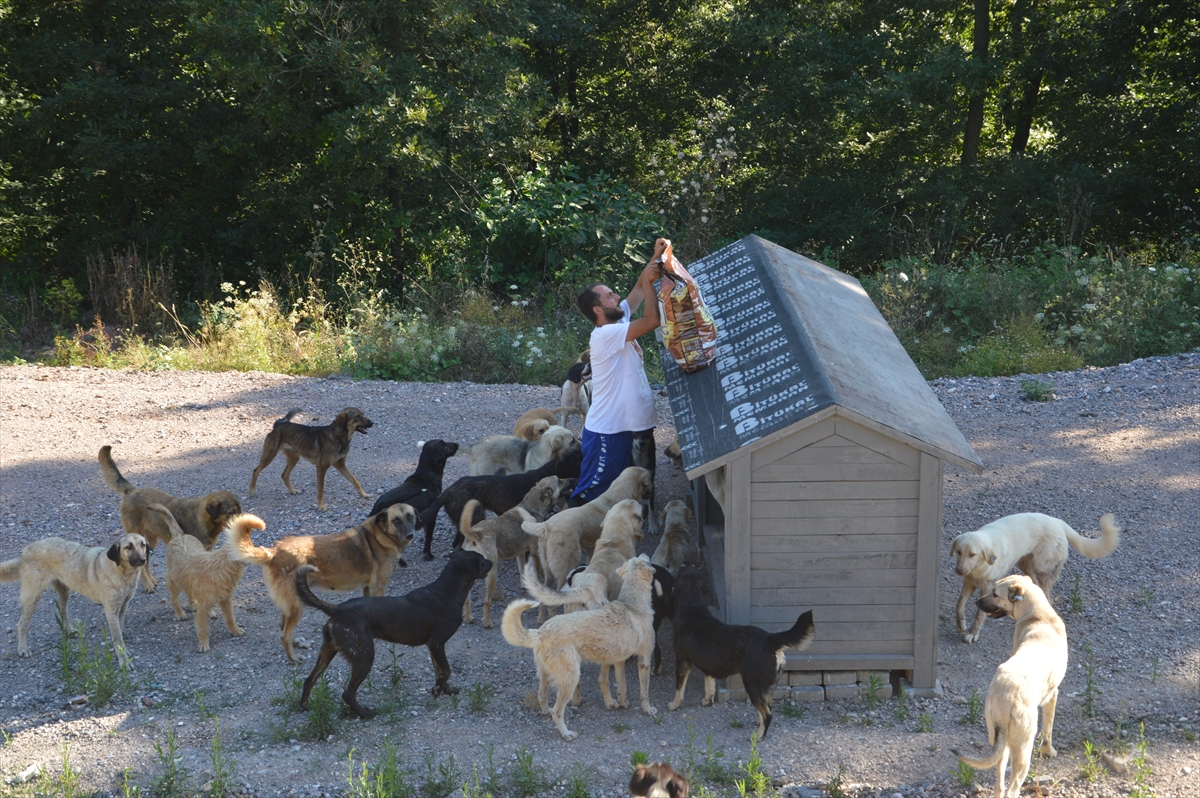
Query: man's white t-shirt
621	397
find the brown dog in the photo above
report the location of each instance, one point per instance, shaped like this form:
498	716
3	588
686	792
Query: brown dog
322	446
361	557
207	578
658	780
202	517
532	425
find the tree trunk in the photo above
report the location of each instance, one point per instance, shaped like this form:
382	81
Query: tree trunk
1024	116
979	55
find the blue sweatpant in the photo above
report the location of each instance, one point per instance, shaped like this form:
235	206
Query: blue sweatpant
604	458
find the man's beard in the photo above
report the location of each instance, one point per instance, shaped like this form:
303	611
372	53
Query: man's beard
614	315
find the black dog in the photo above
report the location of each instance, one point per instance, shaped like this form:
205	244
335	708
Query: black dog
658	780
498	493
662	600
720	650
645	456
427	616
425	485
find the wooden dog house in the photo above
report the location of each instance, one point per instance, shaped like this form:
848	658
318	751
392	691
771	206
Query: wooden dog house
832	446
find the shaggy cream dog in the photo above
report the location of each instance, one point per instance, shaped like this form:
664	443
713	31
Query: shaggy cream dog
1024	682
1033	542
108	576
607	636
207	578
508	454
678	545
563	539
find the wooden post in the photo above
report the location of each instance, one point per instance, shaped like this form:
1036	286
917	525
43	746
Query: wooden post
929	560
737	541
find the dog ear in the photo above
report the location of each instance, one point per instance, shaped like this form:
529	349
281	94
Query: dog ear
641	782
213	508
403	564
991	558
1016	593
114	553
677	787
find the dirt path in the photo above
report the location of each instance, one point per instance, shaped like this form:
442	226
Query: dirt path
1124	439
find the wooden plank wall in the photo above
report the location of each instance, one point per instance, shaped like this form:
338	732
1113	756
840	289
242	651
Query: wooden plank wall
834	528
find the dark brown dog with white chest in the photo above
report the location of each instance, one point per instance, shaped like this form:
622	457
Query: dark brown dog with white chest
322	446
658	780
427	616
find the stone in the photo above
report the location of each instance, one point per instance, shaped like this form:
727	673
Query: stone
842	692
839	677
733	682
884	677
882	692
1115	764
803	678
922	692
808	693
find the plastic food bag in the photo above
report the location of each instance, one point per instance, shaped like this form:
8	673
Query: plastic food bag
688	330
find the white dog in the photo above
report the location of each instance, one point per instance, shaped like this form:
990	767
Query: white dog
508	454
607	636
1025	681
1033	542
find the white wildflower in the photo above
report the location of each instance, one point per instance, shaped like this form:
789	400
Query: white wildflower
227	288
514	303
903	277
512	288
1152	270
1088	307
1039	316
243	282
928	313
946	330
703	218
1076	329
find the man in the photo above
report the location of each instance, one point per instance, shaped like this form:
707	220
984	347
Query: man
622	402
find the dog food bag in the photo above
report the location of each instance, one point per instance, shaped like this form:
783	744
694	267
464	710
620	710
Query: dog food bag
688	330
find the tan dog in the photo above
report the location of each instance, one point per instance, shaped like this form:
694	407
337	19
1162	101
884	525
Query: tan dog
1033	542
533	424
564	537
108	576
607	636
599	583
322	446
202	517
674	453
1025	681
207	578
678	545
502	538
361	557
507	454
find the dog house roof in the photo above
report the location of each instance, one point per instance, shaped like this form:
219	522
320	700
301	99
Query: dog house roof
797	342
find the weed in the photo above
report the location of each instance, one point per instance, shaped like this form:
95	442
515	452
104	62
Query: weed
201	709
223	768
712	769
1148	596
974	708
293	685
172	779
1075	599
454	701
443	782
480	696
93	670
836	787
901	710
129	788
964	774
474	788
68	779
736	723
925	723
528	780
757	782
324	707
621	728
395	672
1093	768
1139	768
659	719
577	784
689	766
639	758
791	711
871	692
1037	390
5	738
1087	701
387	779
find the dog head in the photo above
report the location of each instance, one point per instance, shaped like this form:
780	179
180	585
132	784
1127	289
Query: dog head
394	528
568	463
633	483
559	439
353	420
623	518
1011	596
658	780
542	497
636	570
129	550
219	507
434	454
676	515
535	429
474	563
690	579
970	552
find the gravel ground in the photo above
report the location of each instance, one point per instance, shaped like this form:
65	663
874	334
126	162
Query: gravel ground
1124	439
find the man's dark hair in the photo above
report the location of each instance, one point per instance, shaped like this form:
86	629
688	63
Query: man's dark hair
587	301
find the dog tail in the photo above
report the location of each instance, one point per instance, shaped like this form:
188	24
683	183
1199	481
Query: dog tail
10	570
798	637
1095	548
290	415
535	528
244	550
305	591
590	591
514	631
989	761
112	476
173	525
464	523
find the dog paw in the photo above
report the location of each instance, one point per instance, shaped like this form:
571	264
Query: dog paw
427	557
487	624
706	702
1049	750
649	709
970	637
237	631
202	647
569	735
674	705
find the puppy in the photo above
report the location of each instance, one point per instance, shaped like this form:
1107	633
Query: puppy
533	424
658	780
505	454
644	457
424	485
427	616
675	454
576	397
678	545
322	446
361	557
599	583
108	576
720	650
208	578
607	636
565	536
202	517
1025	681
502	538
499	494
1033	542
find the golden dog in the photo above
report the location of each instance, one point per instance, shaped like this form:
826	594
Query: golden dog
202	517
607	636
1025	681
108	576
361	557
207	578
678	545
533	424
1033	542
502	538
322	446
